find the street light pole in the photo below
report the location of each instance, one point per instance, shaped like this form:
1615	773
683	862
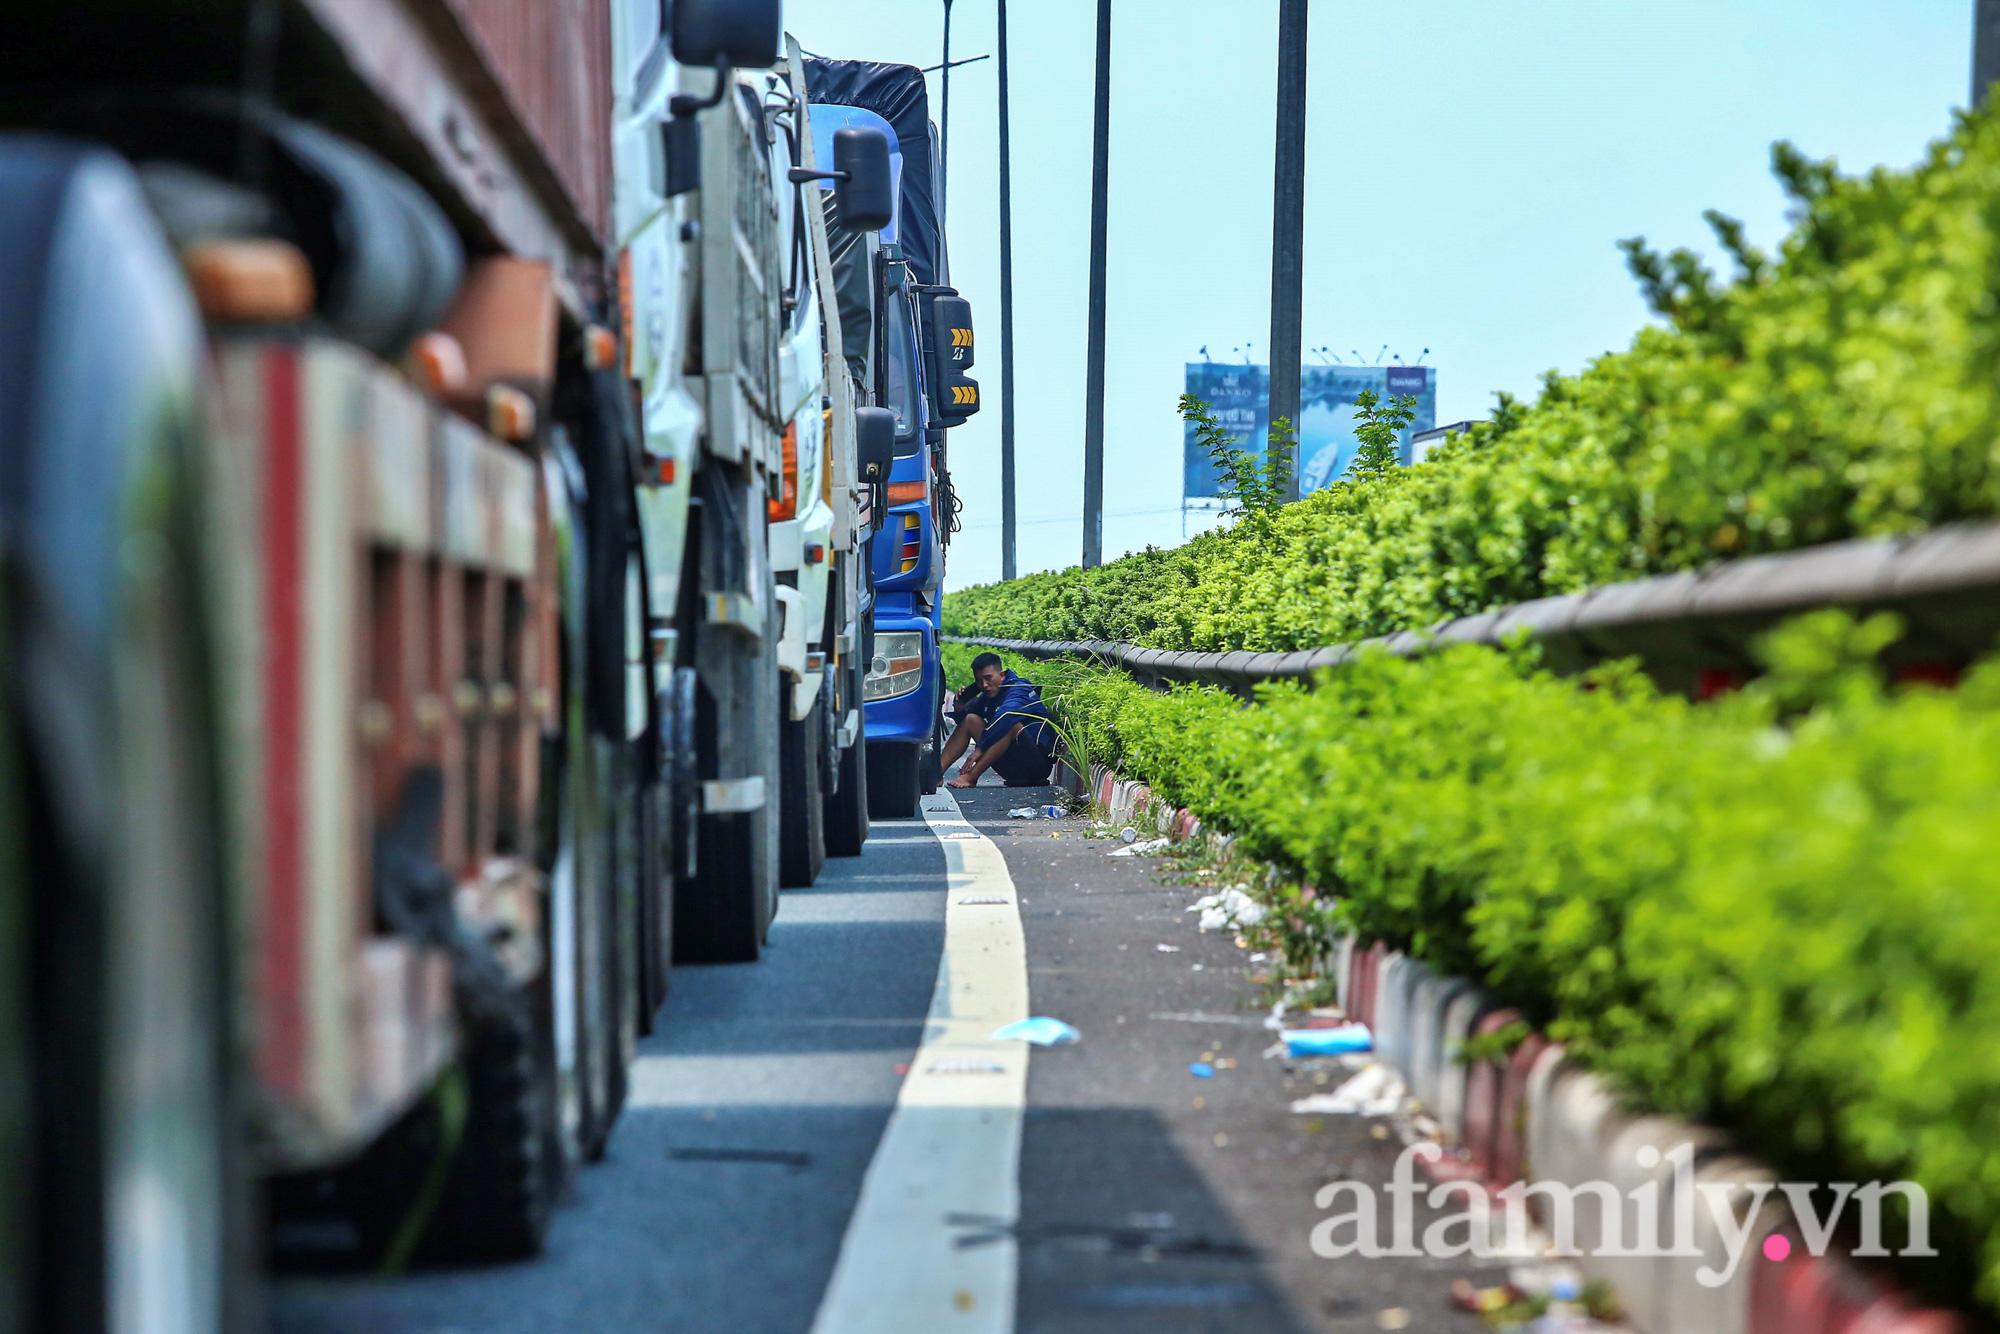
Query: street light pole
1288	228
1093	391
1985	48
944	134
1007	568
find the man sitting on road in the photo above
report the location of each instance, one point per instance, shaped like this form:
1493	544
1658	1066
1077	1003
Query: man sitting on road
1004	725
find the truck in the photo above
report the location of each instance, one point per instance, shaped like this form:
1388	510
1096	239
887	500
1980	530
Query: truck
914	367
395	399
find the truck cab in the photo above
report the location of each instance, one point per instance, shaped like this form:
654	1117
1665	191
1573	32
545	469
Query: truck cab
898	281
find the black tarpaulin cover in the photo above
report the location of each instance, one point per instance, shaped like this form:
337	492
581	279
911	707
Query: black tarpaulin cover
897	94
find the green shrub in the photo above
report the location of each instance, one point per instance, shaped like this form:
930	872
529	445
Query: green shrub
1779	911
1843	387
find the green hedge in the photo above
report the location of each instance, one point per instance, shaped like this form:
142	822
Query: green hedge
1779	911
1844	387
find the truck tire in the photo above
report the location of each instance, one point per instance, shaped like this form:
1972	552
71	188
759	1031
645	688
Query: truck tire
893	774
127	1125
847	804
802	835
500	1192
720	914
501	1175
723	913
933	770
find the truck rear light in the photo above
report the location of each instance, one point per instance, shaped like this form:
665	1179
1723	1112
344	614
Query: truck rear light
897	667
249	282
785	505
666	472
600	348
815	552
825	462
437	362
510	414
625	304
906	493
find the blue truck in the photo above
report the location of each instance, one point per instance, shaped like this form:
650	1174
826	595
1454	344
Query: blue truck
896	283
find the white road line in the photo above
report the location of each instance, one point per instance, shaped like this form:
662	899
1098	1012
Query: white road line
948	1166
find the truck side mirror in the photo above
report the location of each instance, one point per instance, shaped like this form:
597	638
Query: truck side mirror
956	394
745	33
722	34
862	181
874	443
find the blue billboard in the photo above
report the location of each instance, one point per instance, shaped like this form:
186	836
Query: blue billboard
1239	395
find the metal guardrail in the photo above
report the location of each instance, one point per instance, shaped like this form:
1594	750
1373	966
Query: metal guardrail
1684	628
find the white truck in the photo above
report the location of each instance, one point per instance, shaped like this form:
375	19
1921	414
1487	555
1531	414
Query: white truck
751	508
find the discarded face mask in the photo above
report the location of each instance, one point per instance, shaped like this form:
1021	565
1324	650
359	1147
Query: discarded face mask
1327	1041
1040	1030
1146	849
1201	1070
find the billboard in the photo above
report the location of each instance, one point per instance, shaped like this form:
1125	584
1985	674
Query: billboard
1238	395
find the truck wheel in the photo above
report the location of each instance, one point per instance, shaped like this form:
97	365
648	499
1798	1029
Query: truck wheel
847	804
933	770
118	1106
893	773
498	1197
719	913
802	835
715	914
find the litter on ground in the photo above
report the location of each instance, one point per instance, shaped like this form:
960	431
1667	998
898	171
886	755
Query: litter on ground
1327	1041
1376	1091
1201	1070
1168	949
1146	849
1024	813
1040	1030
1227	908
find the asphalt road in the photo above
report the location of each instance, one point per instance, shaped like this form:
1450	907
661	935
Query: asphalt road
1151	1200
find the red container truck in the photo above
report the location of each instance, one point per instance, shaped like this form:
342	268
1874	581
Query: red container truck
392	656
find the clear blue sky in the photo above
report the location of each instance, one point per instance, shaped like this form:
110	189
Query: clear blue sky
1469	165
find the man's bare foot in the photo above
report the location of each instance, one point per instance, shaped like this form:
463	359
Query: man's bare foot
961	781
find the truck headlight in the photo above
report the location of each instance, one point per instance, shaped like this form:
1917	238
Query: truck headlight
897	667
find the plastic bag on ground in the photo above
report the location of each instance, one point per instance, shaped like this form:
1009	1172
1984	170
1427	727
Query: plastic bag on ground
1040	1030
1226	908
1376	1091
1328	1041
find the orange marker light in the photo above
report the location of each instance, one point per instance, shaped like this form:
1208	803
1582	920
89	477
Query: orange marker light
249	282
600	348
438	363
786	504
510	414
904	493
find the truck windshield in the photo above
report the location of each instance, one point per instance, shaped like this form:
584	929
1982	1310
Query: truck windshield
900	393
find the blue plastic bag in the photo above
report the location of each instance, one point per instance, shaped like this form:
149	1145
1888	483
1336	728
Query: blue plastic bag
1041	1030
1340	1041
